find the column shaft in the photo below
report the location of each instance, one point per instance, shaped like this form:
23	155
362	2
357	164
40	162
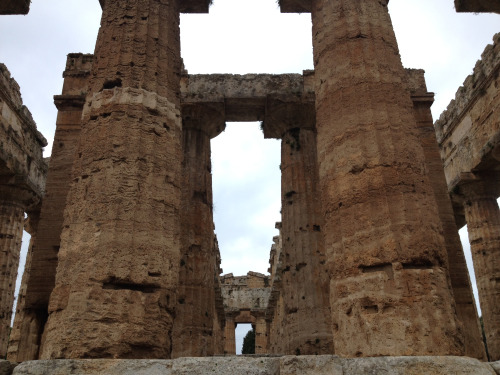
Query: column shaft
19	346
459	274
194	326
11	234
306	321
229	337
41	262
115	288
261	336
483	224
390	292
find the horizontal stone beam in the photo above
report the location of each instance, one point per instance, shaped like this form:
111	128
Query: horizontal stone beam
186	6
477	6
14	6
21	144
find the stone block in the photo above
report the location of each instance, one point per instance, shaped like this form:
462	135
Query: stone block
415	366
95	367
496	366
227	366
310	365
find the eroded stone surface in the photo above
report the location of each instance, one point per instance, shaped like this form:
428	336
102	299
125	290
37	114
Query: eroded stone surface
289	365
390	291
116	282
6	367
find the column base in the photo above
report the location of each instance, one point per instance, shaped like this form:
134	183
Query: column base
264	365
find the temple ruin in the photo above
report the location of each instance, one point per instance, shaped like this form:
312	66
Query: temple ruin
123	261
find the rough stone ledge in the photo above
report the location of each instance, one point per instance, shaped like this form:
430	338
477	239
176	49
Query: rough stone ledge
6	367
264	365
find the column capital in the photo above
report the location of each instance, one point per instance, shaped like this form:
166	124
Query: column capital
207	117
286	112
477	186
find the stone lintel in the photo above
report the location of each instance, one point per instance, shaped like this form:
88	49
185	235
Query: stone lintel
477	6
15	6
186	6
295	6
245	96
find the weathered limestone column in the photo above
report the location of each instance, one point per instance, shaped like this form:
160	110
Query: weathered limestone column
194	325
483	224
459	274
11	234
115	289
261	336
304	283
40	270
390	287
229	336
31	226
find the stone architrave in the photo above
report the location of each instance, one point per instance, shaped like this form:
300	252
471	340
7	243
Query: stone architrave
196	311
459	274
115	288
483	224
390	289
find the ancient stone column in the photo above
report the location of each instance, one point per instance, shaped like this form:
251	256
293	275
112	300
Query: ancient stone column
229	336
483	224
194	326
14	349
304	284
459	274
390	287
11	233
115	288
40	270
261	336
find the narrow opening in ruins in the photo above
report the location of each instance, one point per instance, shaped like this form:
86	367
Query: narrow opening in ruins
22	264
242	329
246	188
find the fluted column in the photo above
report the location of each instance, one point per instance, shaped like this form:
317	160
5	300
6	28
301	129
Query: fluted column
115	288
41	263
483	224
304	285
459	274
18	346
229	336
11	234
194	326
390	287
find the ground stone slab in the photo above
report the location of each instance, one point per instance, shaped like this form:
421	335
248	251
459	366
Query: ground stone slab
287	365
496	366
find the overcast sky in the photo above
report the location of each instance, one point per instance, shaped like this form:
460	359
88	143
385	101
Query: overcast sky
240	36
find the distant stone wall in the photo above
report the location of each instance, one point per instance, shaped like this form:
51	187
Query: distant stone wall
468	132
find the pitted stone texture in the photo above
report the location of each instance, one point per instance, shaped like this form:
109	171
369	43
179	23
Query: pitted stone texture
289	365
311	365
95	367
390	290
415	366
226	366
117	277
